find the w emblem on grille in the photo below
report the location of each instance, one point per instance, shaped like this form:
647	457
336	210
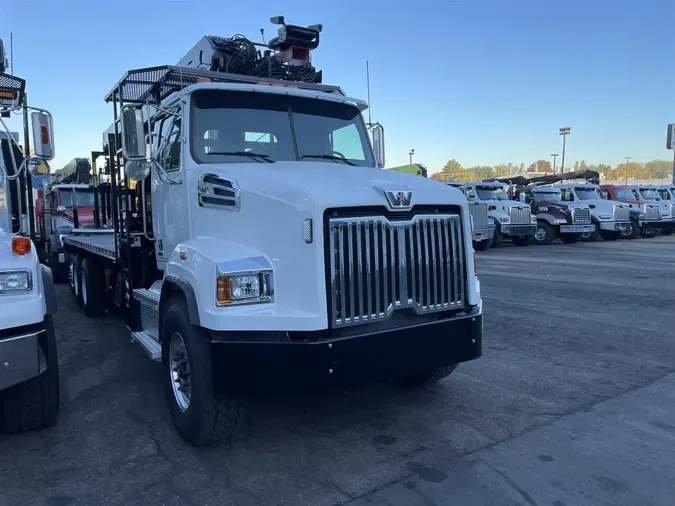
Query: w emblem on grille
399	199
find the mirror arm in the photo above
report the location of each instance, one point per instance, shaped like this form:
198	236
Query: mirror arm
163	174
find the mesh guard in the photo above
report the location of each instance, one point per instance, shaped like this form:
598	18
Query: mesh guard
12	91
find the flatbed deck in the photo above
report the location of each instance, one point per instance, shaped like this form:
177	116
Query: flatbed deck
102	244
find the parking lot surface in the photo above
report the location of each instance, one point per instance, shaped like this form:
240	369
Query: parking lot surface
572	403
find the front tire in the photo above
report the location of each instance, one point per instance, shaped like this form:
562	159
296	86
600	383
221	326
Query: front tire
498	238
609	235
34	404
523	240
632	232
483	245
545	233
591	236
200	415
570	238
428	378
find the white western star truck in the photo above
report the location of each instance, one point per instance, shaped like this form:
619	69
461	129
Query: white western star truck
29	374
257	242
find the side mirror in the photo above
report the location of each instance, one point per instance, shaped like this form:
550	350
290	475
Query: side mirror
522	197
38	168
133	134
61	210
378	144
43	134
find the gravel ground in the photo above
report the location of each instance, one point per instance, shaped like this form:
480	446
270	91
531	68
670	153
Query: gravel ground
571	404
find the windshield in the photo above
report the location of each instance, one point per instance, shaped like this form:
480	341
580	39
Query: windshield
664	194
77	198
624	194
226	125
491	192
547	196
587	193
649	194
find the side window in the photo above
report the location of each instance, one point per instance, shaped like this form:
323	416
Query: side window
603	193
347	142
469	193
567	195
529	197
171	152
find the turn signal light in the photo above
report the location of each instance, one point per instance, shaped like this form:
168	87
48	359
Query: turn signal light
21	245
224	290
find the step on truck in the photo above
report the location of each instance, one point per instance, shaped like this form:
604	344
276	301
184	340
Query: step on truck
645	217
257	243
29	373
483	227
555	218
610	219
511	219
652	194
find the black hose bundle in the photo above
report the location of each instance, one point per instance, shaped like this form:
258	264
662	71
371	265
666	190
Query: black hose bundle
235	55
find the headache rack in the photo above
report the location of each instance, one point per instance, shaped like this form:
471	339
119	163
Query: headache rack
12	91
152	85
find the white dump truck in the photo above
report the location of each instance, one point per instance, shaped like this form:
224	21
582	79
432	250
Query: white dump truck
29	374
256	242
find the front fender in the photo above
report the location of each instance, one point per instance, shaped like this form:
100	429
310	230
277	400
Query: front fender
548	218
635	214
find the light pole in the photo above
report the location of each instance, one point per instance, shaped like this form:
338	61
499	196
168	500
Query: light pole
411	153
554	155
564	131
627	158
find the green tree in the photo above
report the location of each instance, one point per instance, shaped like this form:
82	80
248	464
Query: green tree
629	171
451	170
479	172
658	169
544	166
501	170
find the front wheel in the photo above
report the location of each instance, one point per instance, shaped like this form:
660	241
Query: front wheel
545	233
666	231
483	245
631	232
522	240
570	238
200	415
609	235
429	377
591	236
34	404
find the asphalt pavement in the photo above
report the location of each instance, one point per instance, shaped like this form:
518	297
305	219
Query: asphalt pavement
571	404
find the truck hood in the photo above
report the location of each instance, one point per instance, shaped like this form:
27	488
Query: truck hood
329	184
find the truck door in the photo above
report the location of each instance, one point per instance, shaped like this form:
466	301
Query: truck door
169	201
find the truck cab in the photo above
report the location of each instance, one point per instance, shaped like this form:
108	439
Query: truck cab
29	378
644	216
555	218
268	247
610	219
512	219
483	227
655	195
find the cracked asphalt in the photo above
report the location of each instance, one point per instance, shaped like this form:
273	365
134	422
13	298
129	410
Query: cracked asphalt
571	404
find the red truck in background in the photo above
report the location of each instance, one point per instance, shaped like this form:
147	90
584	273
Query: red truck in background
645	217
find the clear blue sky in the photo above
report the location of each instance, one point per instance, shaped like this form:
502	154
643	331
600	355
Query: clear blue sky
482	81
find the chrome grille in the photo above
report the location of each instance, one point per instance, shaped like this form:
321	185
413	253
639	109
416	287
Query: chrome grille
652	212
519	215
672	209
621	213
378	266
479	212
581	216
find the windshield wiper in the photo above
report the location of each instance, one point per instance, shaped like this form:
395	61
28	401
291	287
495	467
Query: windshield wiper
329	157
251	154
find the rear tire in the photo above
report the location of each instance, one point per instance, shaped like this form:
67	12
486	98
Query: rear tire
483	245
591	236
92	281
203	416
570	238
34	404
545	233
428	378
76	280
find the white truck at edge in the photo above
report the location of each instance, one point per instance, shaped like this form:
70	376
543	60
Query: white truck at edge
293	260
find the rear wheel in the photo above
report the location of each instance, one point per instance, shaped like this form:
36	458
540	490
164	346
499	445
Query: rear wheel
570	238
34	404
522	240
545	233
92	288
430	377
591	236
76	278
200	415
483	245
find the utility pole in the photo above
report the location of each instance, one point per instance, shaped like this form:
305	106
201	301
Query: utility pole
554	155
628	158
411	153
564	131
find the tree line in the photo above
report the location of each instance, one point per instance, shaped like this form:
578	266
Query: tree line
655	169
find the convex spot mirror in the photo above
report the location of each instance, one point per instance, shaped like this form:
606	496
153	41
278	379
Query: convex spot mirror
38	168
137	170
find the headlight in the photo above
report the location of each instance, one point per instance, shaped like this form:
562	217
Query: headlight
642	216
605	216
15	281
504	220
250	288
533	219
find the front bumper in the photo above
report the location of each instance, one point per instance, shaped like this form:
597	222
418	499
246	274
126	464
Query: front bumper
21	355
483	234
519	229
269	360
576	229
650	224
616	226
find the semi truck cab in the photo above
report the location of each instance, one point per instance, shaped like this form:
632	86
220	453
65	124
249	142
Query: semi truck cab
645	216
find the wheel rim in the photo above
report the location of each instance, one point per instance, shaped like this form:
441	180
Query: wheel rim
540	234
76	285
180	371
84	287
627	232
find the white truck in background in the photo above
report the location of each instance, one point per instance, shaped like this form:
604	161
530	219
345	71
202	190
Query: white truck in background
29	374
256	242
